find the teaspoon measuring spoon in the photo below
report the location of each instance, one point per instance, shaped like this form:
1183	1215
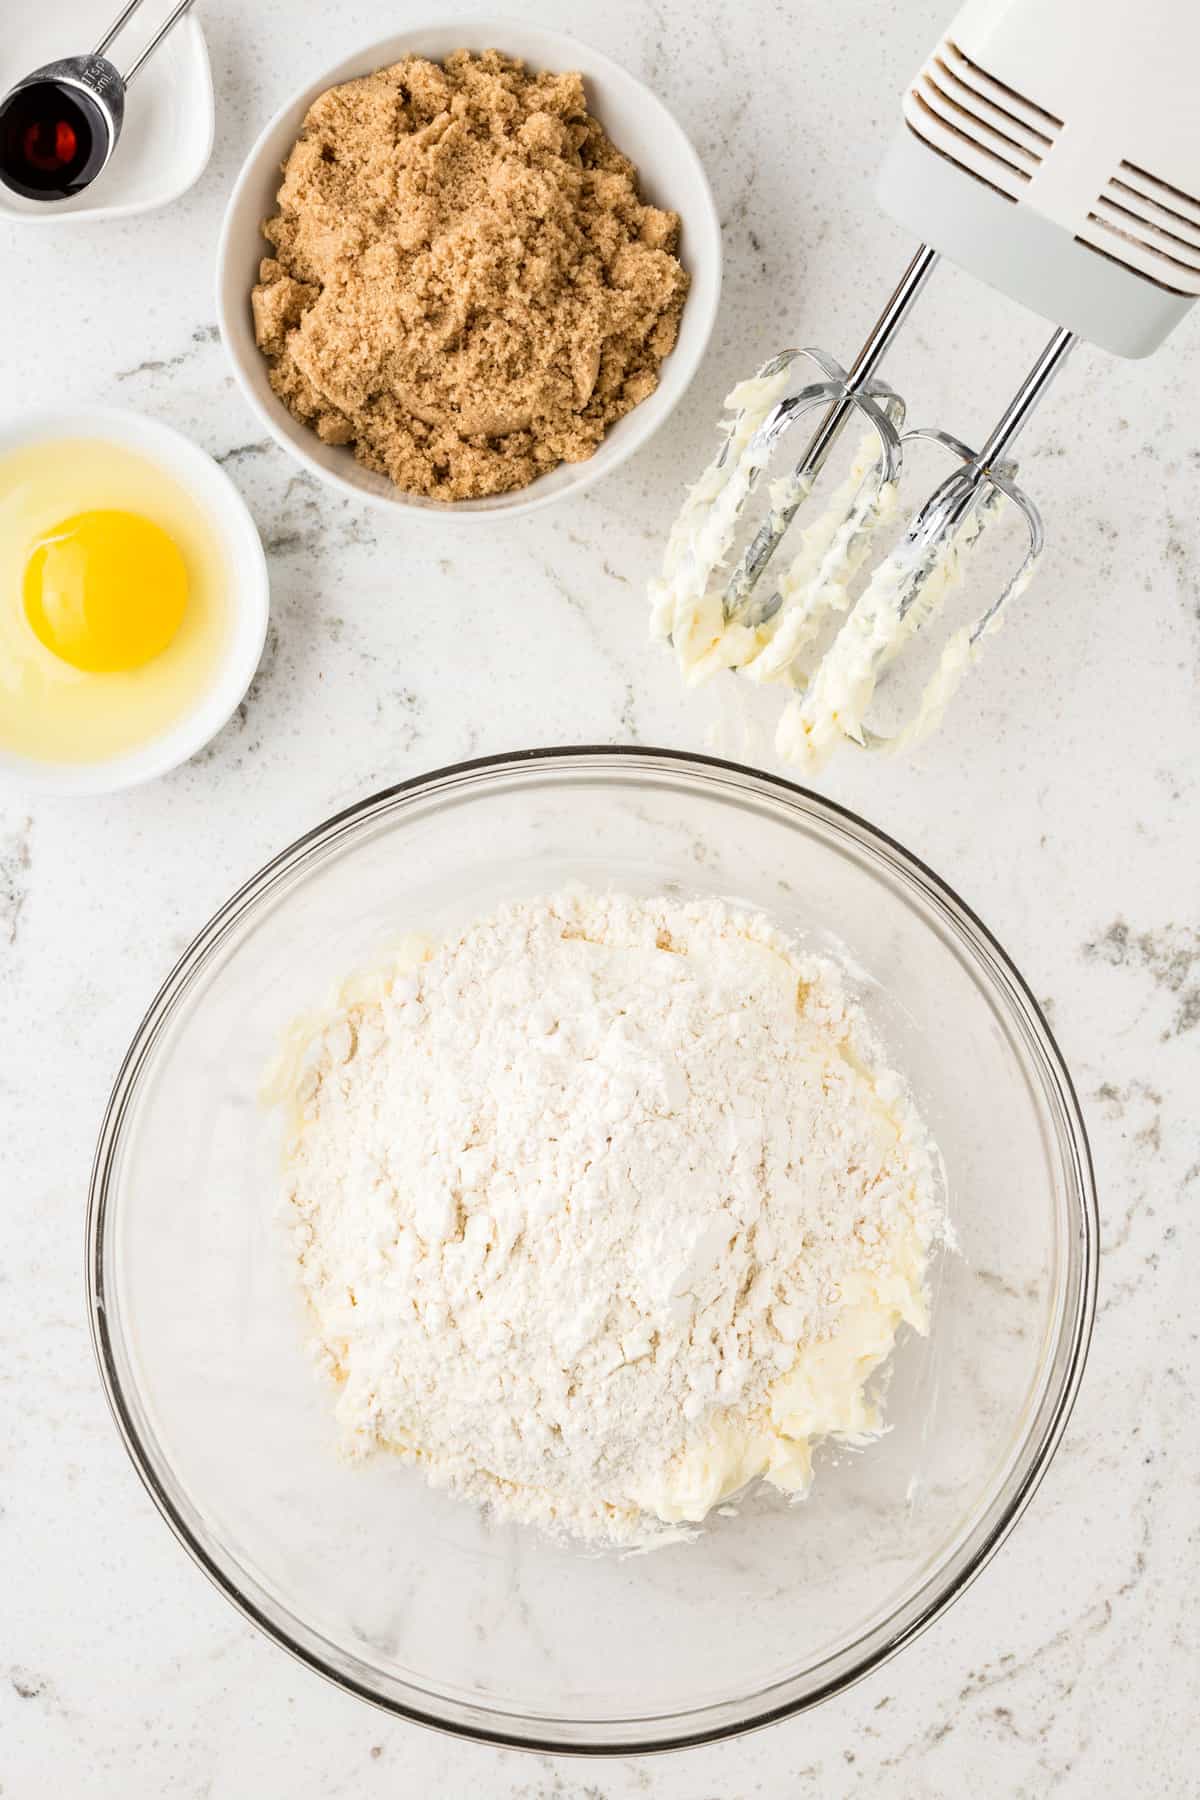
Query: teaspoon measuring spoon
59	125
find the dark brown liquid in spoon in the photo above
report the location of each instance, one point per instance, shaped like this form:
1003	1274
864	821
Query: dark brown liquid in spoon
53	140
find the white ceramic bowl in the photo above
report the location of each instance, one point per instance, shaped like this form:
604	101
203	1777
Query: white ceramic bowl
213	492
670	176
168	133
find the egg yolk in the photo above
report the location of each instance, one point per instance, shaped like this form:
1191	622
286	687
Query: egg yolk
106	591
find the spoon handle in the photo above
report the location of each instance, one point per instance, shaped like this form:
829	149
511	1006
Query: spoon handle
117	25
122	20
172	19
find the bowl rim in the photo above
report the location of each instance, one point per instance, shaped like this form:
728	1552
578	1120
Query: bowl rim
1072	1332
193	469
706	223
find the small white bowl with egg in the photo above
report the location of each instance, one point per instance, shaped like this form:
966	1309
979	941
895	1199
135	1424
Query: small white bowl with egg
134	600
670	175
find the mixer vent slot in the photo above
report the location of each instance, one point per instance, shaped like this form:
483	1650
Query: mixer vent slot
1150	226
979	122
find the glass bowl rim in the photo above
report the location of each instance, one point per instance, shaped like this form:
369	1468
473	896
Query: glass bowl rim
1074	1329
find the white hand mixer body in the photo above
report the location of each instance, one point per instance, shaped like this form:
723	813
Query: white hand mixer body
1052	149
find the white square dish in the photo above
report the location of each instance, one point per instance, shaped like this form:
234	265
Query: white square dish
169	120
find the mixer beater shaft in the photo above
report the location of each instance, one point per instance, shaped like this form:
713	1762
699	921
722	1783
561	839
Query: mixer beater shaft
857	384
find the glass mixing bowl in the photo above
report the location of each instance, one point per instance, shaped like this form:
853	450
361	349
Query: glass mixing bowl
417	1601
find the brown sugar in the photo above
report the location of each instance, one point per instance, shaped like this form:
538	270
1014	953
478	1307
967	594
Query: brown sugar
465	285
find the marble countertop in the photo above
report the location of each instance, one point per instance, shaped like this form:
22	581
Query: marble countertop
1061	799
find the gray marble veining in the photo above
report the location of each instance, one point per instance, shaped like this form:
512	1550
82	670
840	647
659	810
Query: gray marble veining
1061	799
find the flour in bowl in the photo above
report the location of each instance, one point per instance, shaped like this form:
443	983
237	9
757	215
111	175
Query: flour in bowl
605	1207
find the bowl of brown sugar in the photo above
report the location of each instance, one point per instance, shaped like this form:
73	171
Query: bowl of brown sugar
468	278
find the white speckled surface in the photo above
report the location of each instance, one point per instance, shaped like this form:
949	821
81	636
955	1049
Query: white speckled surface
1060	799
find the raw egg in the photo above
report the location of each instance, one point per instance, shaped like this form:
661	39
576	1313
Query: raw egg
106	590
114	601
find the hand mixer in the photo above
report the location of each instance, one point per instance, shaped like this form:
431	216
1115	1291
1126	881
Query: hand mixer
1051	148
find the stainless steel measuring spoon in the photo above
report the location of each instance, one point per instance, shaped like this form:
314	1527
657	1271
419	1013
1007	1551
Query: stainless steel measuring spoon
59	125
